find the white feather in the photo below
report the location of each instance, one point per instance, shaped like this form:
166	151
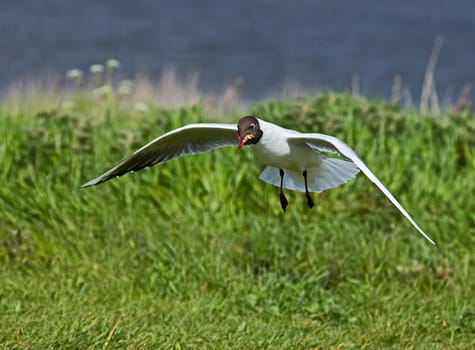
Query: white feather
328	143
329	174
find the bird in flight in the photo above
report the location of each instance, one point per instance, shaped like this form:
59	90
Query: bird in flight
293	160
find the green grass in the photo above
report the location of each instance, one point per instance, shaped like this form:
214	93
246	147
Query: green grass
197	254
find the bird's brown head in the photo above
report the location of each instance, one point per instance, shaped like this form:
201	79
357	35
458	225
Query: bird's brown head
249	131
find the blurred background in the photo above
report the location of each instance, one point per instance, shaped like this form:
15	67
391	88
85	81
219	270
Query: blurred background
261	47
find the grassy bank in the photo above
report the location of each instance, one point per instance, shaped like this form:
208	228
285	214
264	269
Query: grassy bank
197	254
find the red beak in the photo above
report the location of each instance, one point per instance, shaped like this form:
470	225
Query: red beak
242	140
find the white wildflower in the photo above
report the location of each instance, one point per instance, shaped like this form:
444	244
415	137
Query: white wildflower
74	74
112	64
96	68
102	91
125	87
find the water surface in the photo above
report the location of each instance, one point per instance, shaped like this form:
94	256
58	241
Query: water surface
318	44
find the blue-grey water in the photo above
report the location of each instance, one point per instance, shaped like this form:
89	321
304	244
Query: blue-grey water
319	44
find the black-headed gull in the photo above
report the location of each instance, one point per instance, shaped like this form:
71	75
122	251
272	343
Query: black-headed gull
293	159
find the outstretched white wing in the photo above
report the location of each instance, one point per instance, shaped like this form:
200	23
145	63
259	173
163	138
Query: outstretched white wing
190	139
326	143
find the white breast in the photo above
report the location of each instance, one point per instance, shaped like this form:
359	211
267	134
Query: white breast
274	150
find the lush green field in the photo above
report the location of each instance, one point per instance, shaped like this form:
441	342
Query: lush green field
197	253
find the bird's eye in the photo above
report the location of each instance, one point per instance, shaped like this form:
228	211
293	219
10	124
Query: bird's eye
252	126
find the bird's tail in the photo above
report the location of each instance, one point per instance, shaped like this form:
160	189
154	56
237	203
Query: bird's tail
330	173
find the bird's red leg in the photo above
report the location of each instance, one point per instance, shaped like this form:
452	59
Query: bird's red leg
283	200
307	194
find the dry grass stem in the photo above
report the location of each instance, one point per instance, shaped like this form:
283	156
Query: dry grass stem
428	87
